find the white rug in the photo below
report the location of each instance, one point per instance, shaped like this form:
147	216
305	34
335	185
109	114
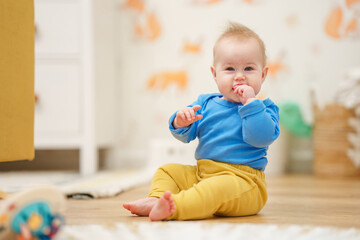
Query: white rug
101	184
106	184
208	231
17	181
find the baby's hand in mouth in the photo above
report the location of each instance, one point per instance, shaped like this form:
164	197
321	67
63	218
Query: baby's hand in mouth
245	92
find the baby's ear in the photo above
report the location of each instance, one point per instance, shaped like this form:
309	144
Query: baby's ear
213	72
264	73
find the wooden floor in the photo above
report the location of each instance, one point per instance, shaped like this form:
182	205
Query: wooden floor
293	199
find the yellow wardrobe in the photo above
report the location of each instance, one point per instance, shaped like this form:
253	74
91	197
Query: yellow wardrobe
16	80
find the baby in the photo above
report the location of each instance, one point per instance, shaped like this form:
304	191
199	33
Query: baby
234	129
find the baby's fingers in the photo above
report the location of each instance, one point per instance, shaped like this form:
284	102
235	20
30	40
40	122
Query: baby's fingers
236	90
196	107
198	117
185	114
239	90
190	114
180	114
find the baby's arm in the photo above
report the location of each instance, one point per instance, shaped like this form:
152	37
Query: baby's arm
260	122
186	116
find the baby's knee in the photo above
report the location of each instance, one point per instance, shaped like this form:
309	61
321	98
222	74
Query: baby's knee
170	167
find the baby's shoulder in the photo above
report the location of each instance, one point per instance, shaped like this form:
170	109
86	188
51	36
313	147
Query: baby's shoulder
203	98
270	104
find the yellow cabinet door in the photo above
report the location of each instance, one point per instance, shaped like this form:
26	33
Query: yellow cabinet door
16	80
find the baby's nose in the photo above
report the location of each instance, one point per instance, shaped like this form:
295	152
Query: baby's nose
239	76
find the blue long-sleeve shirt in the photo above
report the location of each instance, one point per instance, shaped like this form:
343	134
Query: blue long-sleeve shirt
231	132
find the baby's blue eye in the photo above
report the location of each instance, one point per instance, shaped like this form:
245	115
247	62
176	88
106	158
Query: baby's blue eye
230	69
248	68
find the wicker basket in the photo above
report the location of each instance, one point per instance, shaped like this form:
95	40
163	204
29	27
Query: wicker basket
330	139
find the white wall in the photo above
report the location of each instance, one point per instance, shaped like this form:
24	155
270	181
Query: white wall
294	32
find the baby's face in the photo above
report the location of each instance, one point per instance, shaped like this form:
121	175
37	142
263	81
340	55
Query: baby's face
237	62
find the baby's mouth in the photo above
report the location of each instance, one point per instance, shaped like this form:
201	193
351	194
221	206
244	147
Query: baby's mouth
236	86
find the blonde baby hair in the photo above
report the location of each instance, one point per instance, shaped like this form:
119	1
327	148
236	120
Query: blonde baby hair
240	31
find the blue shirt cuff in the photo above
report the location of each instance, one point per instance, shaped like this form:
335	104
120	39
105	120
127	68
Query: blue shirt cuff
251	108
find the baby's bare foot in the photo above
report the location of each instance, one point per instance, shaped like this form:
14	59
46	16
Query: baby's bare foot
163	208
141	207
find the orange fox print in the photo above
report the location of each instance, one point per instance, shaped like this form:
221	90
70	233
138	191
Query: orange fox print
350	3
352	26
189	47
343	20
147	25
206	2
209	2
275	67
137	5
333	23
150	29
164	79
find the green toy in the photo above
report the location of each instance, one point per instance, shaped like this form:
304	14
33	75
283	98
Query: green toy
291	119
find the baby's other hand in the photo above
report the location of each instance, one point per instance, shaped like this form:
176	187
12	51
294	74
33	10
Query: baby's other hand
186	116
246	93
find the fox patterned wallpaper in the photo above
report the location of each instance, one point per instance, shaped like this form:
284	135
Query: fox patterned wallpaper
164	54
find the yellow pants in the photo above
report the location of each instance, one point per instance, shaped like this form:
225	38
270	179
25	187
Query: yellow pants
211	188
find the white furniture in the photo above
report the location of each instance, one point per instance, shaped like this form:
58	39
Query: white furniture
74	77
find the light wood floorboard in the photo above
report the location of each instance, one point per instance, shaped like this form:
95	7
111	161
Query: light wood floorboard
293	199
